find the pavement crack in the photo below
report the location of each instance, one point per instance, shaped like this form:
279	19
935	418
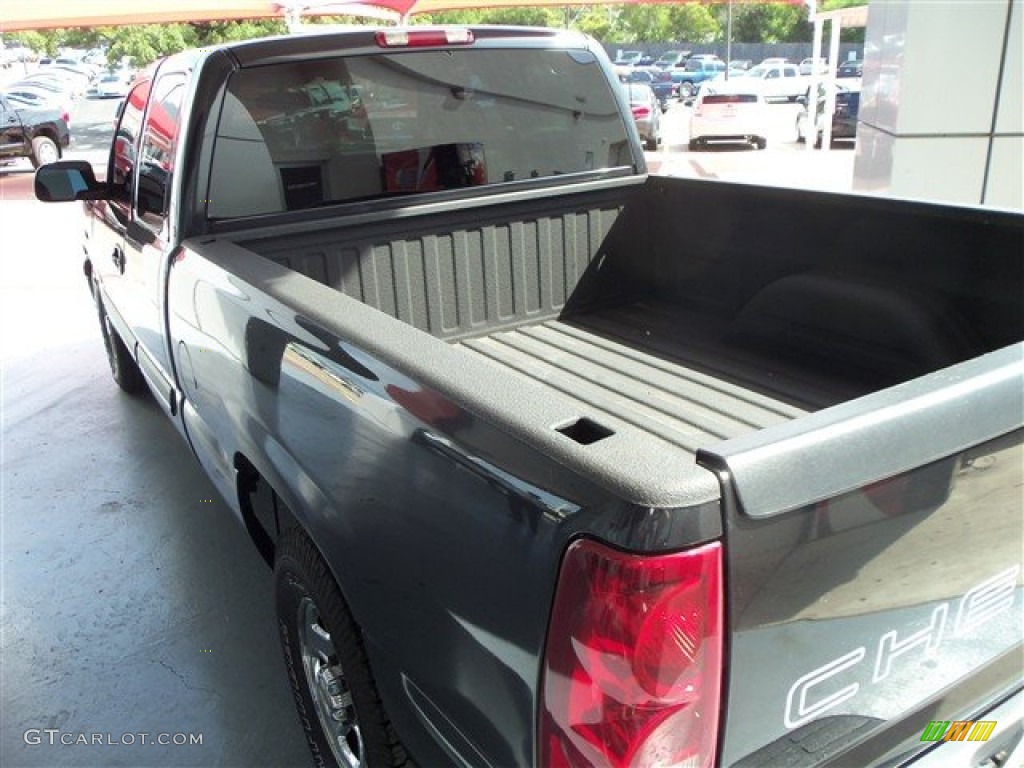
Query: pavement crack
184	682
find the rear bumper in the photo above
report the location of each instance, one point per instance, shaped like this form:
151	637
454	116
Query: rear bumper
725	129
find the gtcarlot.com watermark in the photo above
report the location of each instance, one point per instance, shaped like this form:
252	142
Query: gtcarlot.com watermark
55	737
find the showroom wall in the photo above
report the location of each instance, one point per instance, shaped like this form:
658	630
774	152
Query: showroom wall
941	106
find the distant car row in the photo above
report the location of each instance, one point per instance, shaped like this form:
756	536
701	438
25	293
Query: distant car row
732	111
735	109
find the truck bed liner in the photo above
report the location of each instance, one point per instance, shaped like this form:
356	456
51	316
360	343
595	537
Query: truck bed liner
647	384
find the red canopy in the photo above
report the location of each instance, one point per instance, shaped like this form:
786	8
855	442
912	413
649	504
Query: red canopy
49	14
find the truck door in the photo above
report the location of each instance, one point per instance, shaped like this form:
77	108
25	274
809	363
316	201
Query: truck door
147	235
106	248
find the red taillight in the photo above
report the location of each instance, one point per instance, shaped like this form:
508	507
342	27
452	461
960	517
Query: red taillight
416	38
633	662
640	113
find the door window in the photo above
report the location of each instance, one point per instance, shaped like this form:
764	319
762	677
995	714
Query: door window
121	167
156	159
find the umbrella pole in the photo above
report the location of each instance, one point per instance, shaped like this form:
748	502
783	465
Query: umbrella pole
728	38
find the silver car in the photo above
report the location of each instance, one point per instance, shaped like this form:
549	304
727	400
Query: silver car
646	113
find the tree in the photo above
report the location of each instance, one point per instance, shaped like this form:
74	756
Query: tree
769	23
526	16
646	24
598	21
144	44
695	23
45	42
214	32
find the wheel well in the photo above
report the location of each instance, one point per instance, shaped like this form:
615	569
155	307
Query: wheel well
264	513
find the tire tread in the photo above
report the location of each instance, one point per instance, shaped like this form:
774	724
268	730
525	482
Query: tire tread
296	546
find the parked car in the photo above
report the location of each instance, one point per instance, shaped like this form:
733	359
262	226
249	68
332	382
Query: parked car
853	68
671	59
740	64
659	80
26	99
38	133
54	79
646	113
76	72
844	116
729	111
810	66
112	86
29	96
778	81
773	61
628	58
16	53
696	71
54	89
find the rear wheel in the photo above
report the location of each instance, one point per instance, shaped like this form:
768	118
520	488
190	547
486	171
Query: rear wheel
123	367
760	143
330	676
44	151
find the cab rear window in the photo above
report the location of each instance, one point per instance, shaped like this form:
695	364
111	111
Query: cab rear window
304	134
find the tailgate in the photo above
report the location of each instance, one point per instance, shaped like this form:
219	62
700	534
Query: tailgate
874	570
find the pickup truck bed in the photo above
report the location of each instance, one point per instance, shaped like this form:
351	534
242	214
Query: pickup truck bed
557	299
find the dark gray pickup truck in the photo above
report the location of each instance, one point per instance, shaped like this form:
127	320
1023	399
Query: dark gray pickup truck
559	464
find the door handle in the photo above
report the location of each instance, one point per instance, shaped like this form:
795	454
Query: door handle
118	258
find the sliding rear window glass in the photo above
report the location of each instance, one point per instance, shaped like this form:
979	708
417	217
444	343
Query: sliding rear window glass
302	134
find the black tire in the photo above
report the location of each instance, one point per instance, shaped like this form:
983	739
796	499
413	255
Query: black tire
761	143
123	367
44	150
327	667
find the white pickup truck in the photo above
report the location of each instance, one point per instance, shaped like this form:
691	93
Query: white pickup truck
778	80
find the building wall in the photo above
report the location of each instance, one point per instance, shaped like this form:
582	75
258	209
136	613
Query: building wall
941	105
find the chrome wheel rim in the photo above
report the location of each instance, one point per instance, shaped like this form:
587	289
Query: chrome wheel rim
47	153
329	688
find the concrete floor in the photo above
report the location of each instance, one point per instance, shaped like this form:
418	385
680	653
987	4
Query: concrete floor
131	601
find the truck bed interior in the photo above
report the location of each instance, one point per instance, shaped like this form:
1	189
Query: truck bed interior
654	305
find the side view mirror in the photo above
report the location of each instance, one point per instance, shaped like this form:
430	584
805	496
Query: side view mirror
68	180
